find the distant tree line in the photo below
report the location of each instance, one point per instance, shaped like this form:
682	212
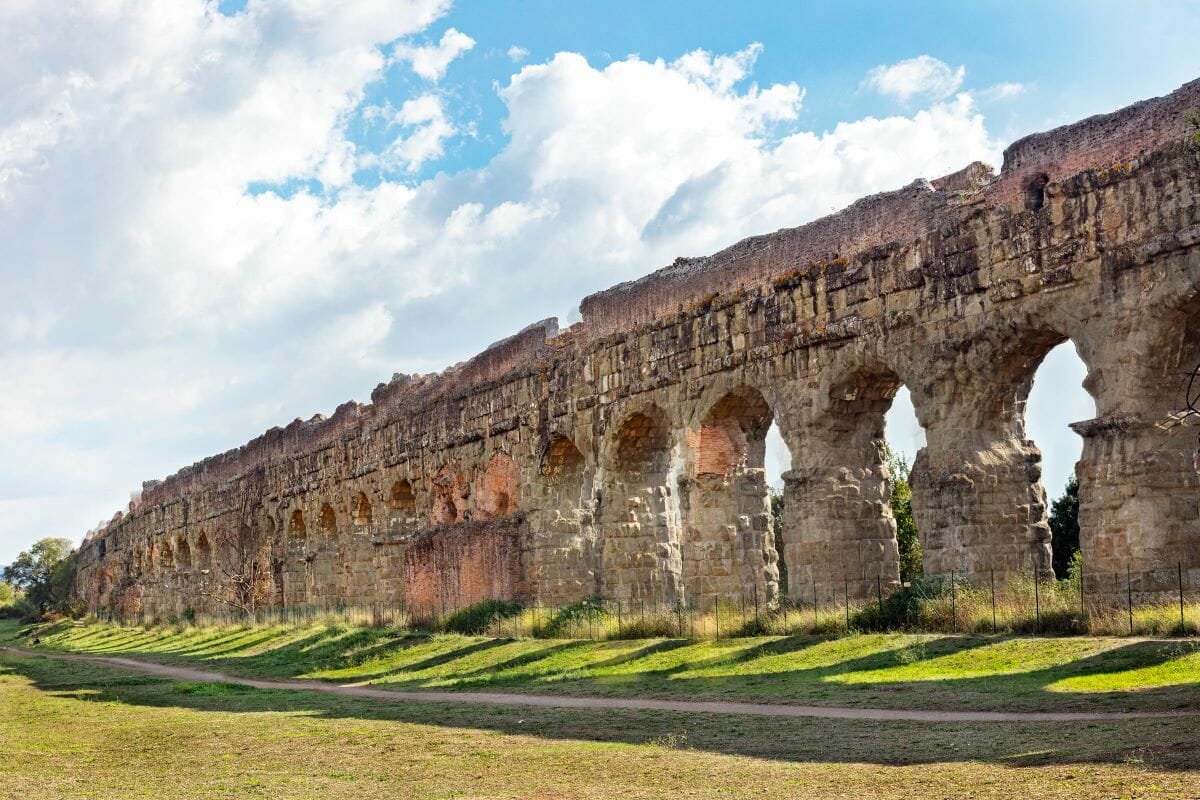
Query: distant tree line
38	583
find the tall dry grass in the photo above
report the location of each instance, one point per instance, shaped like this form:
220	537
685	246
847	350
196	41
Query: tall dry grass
1019	606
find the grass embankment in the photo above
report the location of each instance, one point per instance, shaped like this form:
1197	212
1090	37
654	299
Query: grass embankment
80	730
915	671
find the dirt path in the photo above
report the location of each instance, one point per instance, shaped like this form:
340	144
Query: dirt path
552	701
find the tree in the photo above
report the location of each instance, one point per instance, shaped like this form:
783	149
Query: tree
1064	528
777	527
44	573
906	526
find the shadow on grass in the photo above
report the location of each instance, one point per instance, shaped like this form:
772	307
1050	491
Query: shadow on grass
1175	743
752	670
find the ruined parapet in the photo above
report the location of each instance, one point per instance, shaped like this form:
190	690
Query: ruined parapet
869	222
1094	143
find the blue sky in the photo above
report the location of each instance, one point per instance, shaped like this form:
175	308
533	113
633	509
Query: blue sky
220	218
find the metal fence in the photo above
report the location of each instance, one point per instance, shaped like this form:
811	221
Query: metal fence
1152	604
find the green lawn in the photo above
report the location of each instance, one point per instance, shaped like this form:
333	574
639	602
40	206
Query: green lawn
84	731
925	671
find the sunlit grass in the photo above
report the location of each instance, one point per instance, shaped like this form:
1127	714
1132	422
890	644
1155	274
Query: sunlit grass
905	670
1182	670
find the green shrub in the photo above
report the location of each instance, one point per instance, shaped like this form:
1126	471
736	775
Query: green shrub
481	617
569	619
901	610
21	609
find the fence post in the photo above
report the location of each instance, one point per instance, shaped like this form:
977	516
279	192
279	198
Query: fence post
846	597
619	619
1179	569
1037	600
717	614
953	601
815	620
1129	597
756	623
993	600
879	595
1082	601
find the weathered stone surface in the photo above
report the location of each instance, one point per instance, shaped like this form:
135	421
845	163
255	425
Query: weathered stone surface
623	457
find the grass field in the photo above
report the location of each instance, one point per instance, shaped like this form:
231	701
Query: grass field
926	671
82	731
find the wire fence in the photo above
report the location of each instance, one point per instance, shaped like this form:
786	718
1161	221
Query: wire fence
1157	603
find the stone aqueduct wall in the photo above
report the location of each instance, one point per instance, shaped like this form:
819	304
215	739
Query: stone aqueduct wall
623	457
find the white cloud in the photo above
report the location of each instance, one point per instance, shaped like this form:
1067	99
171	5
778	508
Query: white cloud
1003	91
426	115
431	61
157	311
923	75
518	53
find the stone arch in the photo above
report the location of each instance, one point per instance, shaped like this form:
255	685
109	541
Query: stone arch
323	561
1139	477
449	496
183	553
563	465
978	498
728	550
297	568
639	514
360	510
497	488
166	556
402	498
838	535
562	559
327	520
203	552
297	530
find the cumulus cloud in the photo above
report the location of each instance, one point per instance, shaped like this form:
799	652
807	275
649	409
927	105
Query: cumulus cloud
431	61
517	53
189	259
923	75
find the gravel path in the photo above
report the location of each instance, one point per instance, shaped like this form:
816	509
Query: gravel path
553	701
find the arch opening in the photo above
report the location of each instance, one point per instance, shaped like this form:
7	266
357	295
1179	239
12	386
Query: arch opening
449	490
203	552
563	557
778	461
327	520
839	535
402	498
729	551
904	437
166	556
1056	398
183	554
497	488
360	516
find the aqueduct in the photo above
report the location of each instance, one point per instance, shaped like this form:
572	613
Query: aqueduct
622	458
